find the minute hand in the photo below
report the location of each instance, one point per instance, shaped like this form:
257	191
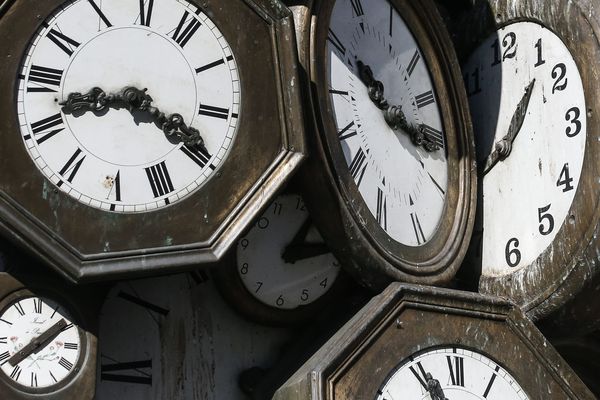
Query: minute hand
503	147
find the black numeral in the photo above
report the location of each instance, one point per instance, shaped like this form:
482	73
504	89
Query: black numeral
143	303
45	78
198	155
558	74
183	34
457	370
381	209
116	188
540	59
146	13
100	13
159	179
573	116
413	62
346	133
357	8
565	179
212	111
420	375
37	305
43	129
4	357
543	214
509	42
19	308
213	64
358	166
64	42
508	253
425	99
437	185
71	346
72	166
16	373
3	340
434	135
134	367
34	382
417	228
474	76
335	41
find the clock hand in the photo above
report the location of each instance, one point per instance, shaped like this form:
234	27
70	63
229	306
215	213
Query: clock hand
298	249
135	100
503	147
38	343
434	388
393	115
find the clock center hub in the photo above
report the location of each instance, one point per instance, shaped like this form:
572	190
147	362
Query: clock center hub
121	57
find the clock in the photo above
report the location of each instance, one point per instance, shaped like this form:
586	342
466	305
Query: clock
423	342
391	180
129	116
172	337
47	340
532	90
281	270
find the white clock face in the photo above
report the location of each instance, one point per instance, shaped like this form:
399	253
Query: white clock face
527	196
402	184
25	321
283	260
460	374
115	160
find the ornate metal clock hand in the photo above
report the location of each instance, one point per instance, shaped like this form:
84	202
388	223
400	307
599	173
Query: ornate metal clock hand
38	343
393	115
434	388
298	249
135	99
503	147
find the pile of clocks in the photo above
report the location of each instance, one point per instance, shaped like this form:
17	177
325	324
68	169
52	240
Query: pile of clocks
286	153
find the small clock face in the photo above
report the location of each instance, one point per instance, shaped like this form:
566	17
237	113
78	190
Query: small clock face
525	73
283	261
112	159
403	185
451	373
49	363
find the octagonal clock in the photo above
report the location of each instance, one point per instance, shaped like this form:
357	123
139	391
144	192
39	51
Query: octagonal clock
436	344
142	136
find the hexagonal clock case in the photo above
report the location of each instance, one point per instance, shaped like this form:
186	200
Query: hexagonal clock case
110	191
414	341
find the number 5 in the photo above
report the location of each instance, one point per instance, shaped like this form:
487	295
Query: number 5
542	216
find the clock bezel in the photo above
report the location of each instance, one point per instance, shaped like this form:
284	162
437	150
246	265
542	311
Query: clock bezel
48	222
567	266
438	260
81	382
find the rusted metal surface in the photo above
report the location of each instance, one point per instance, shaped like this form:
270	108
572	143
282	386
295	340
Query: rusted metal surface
342	216
406	319
267	150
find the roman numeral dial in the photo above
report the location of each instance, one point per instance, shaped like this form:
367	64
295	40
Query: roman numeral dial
107	156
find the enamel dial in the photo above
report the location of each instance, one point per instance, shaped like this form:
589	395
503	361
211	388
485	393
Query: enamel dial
451	373
527	98
283	261
45	365
114	159
402	184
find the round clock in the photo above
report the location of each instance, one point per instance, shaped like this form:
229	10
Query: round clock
284	272
420	342
533	91
450	373
46	347
394	155
134	116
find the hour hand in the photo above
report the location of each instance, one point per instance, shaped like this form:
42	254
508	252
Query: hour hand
298	249
503	147
38	343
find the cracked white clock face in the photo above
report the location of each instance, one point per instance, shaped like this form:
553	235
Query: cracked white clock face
403	185
26	320
460	374
528	195
116	160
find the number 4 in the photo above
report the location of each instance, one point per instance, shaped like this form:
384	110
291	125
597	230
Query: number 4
565	179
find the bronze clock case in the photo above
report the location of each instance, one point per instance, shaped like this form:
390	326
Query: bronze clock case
405	320
562	283
83	304
84	243
358	241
